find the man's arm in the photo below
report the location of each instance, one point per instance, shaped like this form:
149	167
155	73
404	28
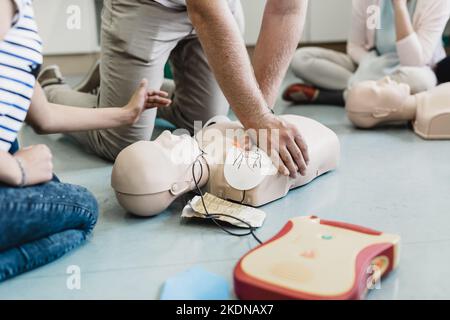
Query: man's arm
228	58
281	30
6	16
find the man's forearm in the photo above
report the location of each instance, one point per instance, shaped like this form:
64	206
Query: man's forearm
281	31
228	58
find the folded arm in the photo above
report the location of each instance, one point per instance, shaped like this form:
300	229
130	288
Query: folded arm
357	38
416	47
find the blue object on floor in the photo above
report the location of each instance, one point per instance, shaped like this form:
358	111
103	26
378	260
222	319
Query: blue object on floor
164	124
196	283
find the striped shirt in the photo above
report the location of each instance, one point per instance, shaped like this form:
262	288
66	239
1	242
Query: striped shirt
20	60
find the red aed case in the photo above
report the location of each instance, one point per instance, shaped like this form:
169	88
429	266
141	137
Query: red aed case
312	259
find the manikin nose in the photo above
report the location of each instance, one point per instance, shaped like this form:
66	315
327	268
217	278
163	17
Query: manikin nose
165	134
387	80
168	136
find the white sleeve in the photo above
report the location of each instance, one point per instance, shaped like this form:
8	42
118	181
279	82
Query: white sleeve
418	48
356	40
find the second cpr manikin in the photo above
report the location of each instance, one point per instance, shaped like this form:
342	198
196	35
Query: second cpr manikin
373	103
149	175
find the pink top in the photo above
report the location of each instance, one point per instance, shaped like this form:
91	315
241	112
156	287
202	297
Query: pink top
423	47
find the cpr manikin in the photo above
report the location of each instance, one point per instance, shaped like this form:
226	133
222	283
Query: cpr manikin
149	175
373	103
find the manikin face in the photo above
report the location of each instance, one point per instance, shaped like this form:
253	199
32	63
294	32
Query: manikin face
377	97
169	141
153	166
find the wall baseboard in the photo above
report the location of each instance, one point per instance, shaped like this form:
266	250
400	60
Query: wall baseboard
79	64
72	65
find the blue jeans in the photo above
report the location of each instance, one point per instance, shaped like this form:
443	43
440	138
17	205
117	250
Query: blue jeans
39	224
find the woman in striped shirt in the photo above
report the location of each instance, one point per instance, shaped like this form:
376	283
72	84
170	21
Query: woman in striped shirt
40	217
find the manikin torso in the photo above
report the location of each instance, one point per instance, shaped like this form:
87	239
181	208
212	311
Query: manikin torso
433	113
323	147
149	175
374	103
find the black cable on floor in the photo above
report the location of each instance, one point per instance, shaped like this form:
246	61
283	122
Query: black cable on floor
214	216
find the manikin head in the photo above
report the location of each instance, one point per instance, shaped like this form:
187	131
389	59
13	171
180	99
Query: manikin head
149	175
371	103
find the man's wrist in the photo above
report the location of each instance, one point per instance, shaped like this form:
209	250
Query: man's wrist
255	120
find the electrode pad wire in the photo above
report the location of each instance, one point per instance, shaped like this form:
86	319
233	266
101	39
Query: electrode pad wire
214	216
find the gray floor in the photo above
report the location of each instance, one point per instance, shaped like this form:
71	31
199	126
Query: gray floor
389	179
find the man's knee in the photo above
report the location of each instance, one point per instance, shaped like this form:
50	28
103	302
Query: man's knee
109	143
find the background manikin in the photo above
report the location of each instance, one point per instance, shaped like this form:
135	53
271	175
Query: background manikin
373	103
149	175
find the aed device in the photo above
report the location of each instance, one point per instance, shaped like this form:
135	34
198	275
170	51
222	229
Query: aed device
312	259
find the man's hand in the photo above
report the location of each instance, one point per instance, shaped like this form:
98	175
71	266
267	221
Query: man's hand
284	144
144	99
37	163
250	91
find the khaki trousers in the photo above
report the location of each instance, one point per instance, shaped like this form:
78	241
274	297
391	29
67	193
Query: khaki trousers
138	38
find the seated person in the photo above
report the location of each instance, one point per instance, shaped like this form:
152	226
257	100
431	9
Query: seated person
178	159
373	103
41	218
406	46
